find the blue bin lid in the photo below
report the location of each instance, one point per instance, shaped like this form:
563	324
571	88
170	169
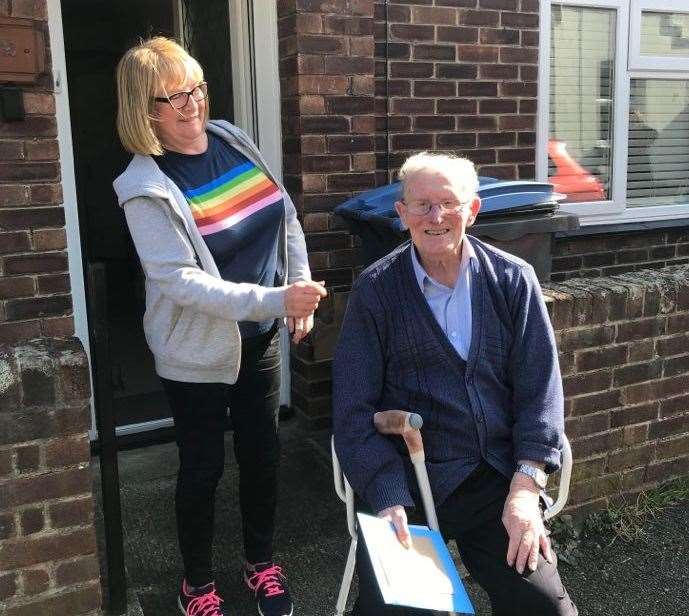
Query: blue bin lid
497	197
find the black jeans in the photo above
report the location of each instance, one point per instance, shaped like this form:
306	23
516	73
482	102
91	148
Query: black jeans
200	414
472	516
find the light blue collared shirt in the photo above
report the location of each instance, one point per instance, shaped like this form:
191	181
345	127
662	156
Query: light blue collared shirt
451	307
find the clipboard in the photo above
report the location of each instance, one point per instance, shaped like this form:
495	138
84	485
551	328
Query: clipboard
423	576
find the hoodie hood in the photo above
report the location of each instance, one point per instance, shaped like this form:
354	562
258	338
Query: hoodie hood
141	178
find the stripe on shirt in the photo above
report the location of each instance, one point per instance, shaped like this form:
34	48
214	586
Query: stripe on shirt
232	197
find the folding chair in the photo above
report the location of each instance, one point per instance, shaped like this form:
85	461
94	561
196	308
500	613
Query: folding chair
408	426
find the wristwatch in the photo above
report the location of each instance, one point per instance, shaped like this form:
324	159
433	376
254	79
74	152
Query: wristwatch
540	478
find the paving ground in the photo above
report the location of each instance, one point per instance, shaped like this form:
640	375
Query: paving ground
646	578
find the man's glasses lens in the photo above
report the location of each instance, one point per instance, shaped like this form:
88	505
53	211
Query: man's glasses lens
423	207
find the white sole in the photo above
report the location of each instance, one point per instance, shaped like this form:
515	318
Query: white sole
258	607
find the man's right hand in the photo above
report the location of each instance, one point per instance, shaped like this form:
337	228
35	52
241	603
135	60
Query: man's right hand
301	298
398	517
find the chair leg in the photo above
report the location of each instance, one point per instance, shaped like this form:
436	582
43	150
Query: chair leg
346	579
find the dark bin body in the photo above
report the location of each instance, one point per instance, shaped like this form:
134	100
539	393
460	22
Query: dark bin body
518	217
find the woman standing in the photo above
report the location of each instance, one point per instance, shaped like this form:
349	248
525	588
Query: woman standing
225	259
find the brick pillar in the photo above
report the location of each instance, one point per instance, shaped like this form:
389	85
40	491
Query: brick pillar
48	561
327	82
35	295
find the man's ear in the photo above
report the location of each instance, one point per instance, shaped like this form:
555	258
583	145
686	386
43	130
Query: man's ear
399	208
475	207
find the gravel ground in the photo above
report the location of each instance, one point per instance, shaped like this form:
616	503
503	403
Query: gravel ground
648	577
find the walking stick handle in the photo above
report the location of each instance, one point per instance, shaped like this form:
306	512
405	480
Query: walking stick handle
396	422
405	424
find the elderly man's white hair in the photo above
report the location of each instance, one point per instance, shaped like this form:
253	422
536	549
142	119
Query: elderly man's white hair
460	170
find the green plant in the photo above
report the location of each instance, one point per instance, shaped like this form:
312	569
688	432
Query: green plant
626	520
565	537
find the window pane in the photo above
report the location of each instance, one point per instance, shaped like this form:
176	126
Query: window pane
582	59
665	34
658	162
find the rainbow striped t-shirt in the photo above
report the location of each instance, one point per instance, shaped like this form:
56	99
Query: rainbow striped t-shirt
237	209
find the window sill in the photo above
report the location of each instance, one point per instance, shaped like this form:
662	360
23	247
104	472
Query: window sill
614	227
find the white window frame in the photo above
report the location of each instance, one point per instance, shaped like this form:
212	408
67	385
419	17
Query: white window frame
640	62
614	210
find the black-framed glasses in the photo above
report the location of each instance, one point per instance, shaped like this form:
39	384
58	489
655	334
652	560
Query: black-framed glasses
179	100
421	208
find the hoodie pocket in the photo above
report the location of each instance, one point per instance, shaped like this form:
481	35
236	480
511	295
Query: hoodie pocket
200	341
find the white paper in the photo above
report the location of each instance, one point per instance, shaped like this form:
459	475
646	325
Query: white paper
414	577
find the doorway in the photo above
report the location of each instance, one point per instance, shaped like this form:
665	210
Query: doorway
96	34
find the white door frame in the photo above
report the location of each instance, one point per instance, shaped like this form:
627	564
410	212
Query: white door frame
257	101
69	188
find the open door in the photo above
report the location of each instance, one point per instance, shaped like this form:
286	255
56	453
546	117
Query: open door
96	34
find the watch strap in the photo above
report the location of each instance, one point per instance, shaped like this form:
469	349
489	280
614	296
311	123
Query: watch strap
539	477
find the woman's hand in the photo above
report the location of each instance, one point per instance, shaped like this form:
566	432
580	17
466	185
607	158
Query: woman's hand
301	298
299	327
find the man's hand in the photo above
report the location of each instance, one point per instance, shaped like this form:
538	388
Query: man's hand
299	327
524	524
398	517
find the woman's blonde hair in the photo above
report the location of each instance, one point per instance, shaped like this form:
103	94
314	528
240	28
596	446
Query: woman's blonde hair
155	63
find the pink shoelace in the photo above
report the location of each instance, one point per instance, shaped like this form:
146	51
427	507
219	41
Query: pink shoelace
268	578
204	605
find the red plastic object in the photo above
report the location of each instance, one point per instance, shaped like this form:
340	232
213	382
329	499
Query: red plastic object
571	178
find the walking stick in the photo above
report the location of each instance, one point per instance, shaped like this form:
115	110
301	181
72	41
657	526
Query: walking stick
408	426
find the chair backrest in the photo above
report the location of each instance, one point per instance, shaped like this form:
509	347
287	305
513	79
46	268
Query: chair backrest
565	478
343	490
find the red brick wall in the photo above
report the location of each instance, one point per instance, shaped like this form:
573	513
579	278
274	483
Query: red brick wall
48	561
607	253
459	76
35	295
624	356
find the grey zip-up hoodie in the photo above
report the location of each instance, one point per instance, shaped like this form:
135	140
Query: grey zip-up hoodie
191	312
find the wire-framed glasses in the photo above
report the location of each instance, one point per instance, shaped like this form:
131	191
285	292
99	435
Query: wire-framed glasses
179	100
421	208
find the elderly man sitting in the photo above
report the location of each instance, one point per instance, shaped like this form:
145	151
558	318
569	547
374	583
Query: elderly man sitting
457	331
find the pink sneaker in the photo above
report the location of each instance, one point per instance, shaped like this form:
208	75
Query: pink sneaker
268	585
202	601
